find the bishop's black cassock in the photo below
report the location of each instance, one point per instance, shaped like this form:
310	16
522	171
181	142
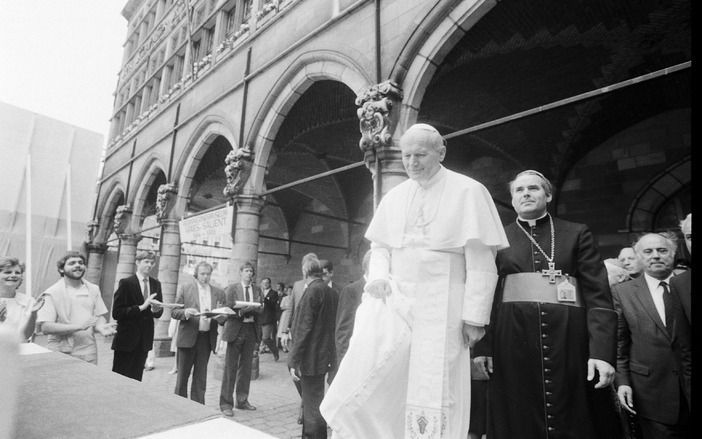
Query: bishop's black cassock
539	388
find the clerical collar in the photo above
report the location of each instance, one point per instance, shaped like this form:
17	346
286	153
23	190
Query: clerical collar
434	179
532	222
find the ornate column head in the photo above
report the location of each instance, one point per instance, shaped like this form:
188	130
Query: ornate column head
376	116
123	218
238	169
164	200
92	230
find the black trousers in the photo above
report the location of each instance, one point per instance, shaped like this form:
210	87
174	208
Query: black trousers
237	367
195	358
313	424
130	363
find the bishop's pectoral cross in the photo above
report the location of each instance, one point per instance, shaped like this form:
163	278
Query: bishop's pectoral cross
551	272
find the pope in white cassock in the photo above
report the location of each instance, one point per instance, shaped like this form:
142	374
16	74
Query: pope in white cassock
429	293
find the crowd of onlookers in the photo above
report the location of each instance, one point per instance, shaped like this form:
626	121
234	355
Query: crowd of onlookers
313	319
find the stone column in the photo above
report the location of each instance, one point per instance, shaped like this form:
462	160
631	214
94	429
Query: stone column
96	255
247	210
128	240
247	218
127	256
168	265
378	115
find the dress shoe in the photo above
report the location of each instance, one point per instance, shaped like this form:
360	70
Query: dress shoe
276	356
227	412
245	406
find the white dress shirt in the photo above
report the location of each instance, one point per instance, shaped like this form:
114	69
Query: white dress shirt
205	298
654	286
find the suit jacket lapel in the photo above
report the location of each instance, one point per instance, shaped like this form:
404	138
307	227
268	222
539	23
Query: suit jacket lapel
646	300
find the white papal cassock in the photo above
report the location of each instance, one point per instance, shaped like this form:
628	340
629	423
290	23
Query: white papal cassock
407	372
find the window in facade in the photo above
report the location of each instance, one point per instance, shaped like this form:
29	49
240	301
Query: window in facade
230	22
248	6
209	40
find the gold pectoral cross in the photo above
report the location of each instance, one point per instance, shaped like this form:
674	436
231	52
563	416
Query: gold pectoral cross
551	272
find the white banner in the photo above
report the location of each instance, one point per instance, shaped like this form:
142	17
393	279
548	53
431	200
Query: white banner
208	237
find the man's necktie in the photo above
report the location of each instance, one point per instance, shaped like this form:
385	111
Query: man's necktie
669	307
248	294
146	288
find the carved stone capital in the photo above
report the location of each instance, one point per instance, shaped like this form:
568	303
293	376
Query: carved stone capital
96	247
165	201
249	203
123	217
239	163
376	118
130	238
92	230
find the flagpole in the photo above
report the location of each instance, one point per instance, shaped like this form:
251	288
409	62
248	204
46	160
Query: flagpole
69	219
28	227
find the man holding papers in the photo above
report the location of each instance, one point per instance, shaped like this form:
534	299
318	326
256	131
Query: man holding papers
197	333
242	334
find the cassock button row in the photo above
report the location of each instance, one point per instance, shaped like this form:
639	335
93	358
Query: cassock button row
547	381
544	325
547	370
549	405
547	358
549	416
543	313
546	347
551	429
549	393
544	335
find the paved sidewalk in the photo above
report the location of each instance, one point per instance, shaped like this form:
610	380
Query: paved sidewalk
273	393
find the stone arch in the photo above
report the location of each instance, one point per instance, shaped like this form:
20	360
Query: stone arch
209	128
115	197
651	198
143	183
442	28
306	70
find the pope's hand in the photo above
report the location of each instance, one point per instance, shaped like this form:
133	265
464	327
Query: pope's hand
379	288
472	334
484	364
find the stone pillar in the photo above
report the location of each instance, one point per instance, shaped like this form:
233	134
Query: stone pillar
96	254
127	257
378	115
128	240
168	270
247	218
169	263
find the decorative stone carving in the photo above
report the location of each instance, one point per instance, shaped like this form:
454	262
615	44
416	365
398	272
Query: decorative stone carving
375	115
239	164
93	227
123	216
164	205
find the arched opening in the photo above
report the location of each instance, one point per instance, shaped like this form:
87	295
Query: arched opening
328	215
520	56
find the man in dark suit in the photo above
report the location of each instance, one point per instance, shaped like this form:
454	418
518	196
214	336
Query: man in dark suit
242	334
313	354
197	335
269	316
682	283
349	299
135	313
653	354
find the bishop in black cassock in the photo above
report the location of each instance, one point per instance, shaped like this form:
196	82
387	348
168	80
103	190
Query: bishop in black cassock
540	349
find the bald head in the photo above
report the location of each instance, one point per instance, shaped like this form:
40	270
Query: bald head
686	228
